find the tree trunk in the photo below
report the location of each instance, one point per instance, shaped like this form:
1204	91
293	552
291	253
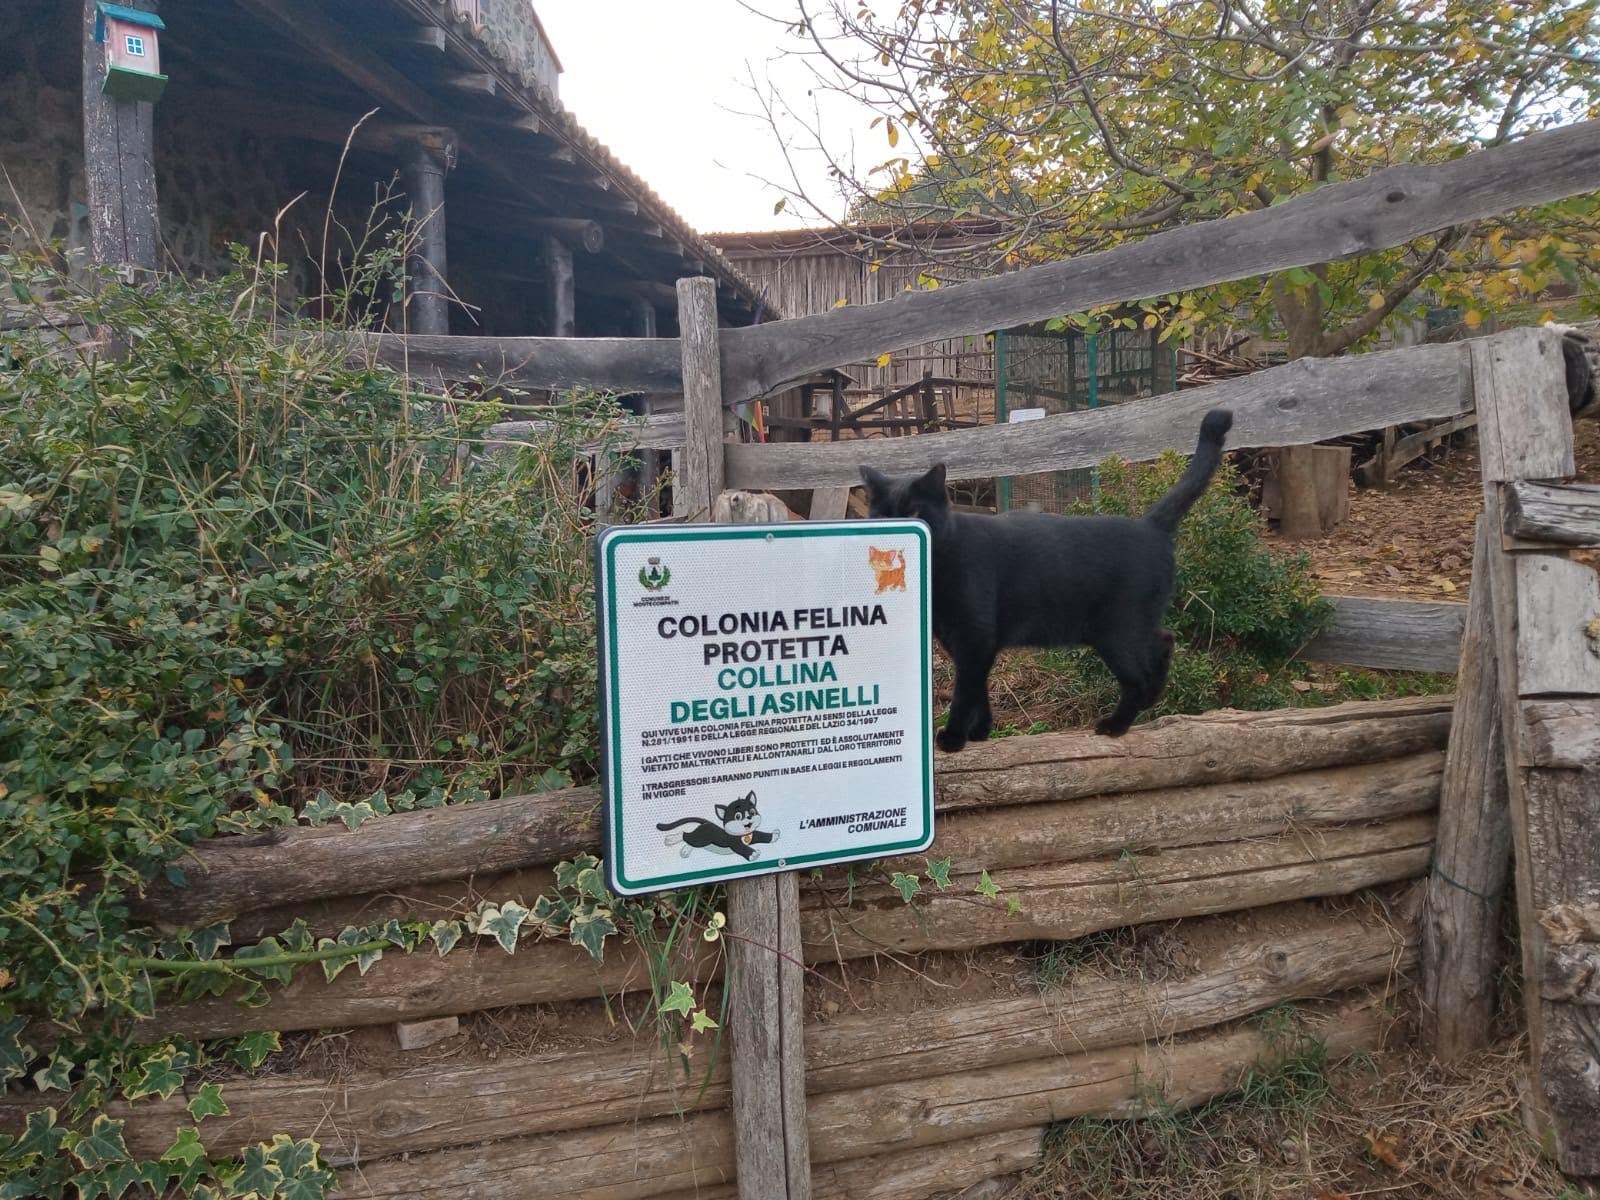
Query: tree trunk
1306	509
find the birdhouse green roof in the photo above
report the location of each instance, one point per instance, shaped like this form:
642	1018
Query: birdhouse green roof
121	12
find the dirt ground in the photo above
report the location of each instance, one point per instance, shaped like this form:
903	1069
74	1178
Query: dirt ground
1413	540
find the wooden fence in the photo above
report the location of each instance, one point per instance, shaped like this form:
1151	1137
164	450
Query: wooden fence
1184	818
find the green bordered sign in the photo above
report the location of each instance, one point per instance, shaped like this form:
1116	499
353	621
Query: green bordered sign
766	698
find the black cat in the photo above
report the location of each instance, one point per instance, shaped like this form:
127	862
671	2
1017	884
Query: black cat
1035	579
737	833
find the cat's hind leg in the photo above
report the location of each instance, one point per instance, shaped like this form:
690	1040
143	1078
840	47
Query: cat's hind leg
1140	664
970	717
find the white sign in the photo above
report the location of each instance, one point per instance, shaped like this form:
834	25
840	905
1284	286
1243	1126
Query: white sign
766	698
1019	415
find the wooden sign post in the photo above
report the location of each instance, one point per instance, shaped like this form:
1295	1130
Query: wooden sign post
771	1153
1546	616
118	158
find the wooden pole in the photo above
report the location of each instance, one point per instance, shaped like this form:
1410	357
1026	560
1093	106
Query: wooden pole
429	308
642	324
119	164
561	289
1461	921
765	970
1546	611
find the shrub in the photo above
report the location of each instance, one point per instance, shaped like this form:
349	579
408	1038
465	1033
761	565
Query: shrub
236	572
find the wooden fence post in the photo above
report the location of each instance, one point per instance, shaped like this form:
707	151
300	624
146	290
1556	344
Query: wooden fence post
1546	611
118	163
430	293
1461	921
765	972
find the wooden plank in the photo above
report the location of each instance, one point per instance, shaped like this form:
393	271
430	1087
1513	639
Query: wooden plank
1521	441
765	970
428	310
1558	618
557	364
1163	759
654	431
1388	208
1390	635
696	489
1561	733
1301	402
561	304
119	164
365	1115
1565	514
1542	605
1461	920
830	504
1059	902
1057	831
694	1154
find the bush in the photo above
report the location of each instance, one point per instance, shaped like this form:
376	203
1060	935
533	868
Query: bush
237	573
1239	610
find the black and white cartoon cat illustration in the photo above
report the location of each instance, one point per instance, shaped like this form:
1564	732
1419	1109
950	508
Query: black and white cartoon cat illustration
735	831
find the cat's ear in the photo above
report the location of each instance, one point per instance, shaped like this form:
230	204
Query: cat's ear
877	482
931	483
722	811
752	799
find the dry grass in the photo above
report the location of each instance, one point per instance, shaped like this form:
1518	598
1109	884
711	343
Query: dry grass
1397	1126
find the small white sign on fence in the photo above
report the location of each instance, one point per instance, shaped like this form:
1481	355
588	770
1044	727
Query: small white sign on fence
766	698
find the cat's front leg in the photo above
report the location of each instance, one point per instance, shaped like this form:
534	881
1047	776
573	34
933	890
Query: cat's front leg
970	717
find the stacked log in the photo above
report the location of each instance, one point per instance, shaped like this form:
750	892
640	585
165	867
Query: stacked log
1186	818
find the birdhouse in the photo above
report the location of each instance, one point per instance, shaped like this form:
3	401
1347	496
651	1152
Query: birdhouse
133	52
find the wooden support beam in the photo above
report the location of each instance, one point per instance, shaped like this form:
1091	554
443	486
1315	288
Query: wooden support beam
429	36
119	164
561	304
1388	208
1547	625
271	117
765	968
1560	514
1461	920
428	311
474	83
1390	635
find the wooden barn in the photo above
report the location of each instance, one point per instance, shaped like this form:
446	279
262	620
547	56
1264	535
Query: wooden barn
307	130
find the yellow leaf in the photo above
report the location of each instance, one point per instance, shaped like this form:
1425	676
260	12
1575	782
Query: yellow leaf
840	302
883	360
1375	301
872	267
894	134
1473	319
1446	586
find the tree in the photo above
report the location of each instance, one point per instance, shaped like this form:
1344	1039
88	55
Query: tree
1079	125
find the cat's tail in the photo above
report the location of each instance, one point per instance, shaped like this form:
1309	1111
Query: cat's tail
1166	512
681	821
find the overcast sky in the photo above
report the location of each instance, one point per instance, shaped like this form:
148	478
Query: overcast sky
664	84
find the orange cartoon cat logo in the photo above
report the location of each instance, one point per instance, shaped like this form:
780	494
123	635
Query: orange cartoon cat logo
890	568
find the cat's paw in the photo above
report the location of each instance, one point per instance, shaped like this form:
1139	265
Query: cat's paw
950	742
1111	727
685	851
980	732
775	835
755	854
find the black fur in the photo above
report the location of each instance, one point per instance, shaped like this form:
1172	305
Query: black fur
737	832
1577	352
1034	579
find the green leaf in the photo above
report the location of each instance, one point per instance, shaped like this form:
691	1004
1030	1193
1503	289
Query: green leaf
291	1156
1013	906
298	937
939	873
208	941
268	947
208	1103
102	1145
321	810
259	1175
40	1135
54	1077
308	1185
986	886
157	1076
120	1178
502	923
679	999
252	1049
395	935
331	967
591	932
702	1021
445	935
592	883
906	885
14	1055
186	1148
355	816
356	936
